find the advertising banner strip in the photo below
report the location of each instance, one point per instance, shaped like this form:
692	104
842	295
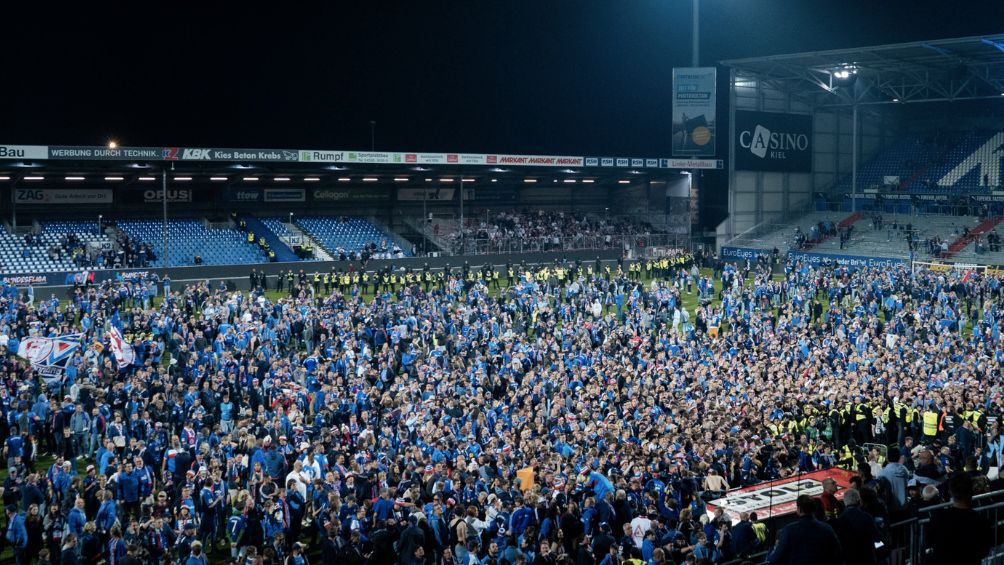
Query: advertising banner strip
852	261
102	153
58	196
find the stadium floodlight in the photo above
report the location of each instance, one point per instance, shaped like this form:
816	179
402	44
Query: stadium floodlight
467	180
281	179
588	181
112	144
182	179
400	179
623	181
73	178
110	179
344	179
4	178
250	179
217	179
310	179
370	179
569	181
147	179
445	179
34	178
529	181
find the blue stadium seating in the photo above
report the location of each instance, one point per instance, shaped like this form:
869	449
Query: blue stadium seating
350	234
17	258
188	238
921	164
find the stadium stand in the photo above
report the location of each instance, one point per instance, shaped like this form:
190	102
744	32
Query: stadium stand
60	246
260	228
340	236
190	238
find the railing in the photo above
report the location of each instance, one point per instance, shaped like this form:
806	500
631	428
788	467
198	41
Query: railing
909	539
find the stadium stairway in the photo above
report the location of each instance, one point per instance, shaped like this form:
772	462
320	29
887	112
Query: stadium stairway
848	221
982	228
283	253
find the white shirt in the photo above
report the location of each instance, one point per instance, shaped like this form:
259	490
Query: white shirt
639	527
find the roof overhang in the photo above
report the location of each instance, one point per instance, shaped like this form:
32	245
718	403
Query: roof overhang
944	70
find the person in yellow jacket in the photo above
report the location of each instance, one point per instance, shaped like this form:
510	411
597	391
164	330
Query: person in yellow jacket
930	419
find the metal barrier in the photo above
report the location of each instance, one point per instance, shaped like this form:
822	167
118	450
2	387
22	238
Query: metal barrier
909	539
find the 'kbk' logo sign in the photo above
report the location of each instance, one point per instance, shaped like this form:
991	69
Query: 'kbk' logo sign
195	154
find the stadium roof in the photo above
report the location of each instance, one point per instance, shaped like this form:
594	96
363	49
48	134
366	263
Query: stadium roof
965	68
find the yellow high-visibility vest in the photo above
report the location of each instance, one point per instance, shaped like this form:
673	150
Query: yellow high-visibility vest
930	423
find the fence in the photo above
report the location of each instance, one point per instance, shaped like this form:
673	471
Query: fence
909	539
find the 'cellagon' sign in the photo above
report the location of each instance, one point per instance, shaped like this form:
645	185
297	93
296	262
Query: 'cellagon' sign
768	141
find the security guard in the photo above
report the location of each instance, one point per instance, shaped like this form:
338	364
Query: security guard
930	418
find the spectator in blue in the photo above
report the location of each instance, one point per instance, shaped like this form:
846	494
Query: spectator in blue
17	536
128	491
106	516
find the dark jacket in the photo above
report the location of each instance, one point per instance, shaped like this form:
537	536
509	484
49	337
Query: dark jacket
744	539
806	542
858	534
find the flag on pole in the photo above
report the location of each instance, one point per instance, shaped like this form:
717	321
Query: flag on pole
123	352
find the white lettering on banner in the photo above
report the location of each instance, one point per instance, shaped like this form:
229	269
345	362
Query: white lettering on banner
622	162
193	154
592	162
651	162
51	196
607	162
71	153
850	261
769	496
987	158
540	161
761	142
157	195
26	280
24	152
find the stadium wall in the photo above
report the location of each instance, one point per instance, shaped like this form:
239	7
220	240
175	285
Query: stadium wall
239	273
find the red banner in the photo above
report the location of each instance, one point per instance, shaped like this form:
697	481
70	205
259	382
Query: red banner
777	498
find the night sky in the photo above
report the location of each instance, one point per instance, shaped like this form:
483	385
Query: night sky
561	77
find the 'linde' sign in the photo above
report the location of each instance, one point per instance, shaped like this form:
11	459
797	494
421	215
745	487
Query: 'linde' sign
768	141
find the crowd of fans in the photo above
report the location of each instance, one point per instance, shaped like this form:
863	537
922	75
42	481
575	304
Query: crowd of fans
545	230
577	413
